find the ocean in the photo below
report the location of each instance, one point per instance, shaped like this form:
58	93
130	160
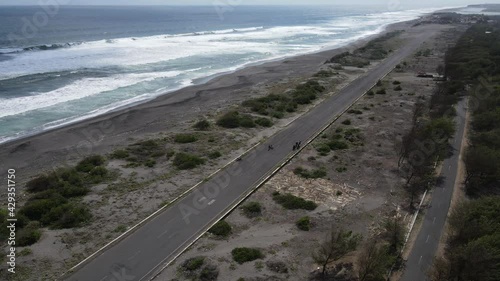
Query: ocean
69	63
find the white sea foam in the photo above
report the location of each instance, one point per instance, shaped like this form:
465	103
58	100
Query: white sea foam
80	89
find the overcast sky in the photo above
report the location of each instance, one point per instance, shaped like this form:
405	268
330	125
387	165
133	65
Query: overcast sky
428	3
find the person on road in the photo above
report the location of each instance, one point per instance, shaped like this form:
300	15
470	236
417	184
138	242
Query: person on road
270	147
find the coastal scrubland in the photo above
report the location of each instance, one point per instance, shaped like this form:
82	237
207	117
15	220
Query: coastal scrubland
348	177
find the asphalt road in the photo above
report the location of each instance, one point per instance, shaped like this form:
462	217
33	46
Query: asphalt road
141	254
421	257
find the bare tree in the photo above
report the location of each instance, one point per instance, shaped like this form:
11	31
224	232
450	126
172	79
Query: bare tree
372	261
337	244
408	141
440	69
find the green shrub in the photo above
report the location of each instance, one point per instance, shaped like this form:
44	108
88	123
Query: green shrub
396	82
229	120
185	138
233	119
71	176
398	88
304	223
381	92
28	235
338	145
252	209
291	107
209	273
36	208
43	182
150	163
264	122
379	83
242	255
202	125
89	163
278	114
99	171
221	229
68	215
120	229
214	155
184	161
315	174
291	202
119	154
69	191
318	173
25	252
146	149
341	169
323	74
346	122
170	153
355	111
323	149
193	264
246	121
370	93
157	154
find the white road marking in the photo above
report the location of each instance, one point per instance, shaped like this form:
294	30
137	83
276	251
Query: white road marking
134	255
420	260
162	234
427	240
449	167
211	202
105	277
202	199
434	220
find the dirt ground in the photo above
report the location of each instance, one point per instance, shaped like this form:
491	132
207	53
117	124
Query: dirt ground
361	188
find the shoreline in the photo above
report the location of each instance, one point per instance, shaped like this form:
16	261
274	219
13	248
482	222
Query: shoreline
105	132
24	135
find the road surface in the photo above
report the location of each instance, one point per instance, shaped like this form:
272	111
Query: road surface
143	253
421	257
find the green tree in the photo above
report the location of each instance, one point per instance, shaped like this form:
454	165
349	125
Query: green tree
394	234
